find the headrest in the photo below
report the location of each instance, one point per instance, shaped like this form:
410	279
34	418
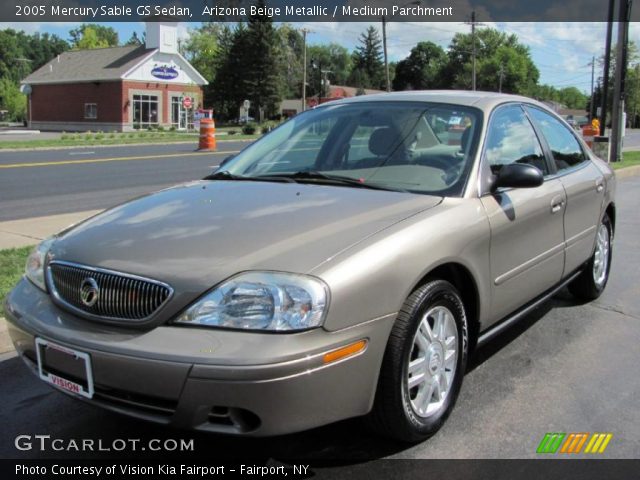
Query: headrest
382	141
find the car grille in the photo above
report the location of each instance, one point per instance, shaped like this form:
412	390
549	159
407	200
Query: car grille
120	296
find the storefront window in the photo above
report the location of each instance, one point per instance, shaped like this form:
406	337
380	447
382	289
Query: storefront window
145	110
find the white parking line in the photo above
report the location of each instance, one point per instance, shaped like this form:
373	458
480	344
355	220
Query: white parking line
81	153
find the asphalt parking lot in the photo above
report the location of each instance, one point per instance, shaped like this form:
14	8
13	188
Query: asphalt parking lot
565	368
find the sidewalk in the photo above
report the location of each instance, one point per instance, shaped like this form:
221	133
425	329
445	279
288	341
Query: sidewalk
29	231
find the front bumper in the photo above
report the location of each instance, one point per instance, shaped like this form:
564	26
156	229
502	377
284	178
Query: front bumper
211	379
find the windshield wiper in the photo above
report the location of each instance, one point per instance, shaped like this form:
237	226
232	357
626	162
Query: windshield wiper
226	175
334	179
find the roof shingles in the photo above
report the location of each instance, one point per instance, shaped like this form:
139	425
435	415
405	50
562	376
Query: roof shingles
100	64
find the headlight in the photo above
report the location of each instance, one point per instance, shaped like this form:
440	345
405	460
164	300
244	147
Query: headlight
34	270
261	301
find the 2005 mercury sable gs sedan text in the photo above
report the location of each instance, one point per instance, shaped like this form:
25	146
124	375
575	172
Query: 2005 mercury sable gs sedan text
346	264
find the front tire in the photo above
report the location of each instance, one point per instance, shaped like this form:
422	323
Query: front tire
590	284
423	365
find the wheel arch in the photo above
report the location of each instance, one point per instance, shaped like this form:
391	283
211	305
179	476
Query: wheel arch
611	212
461	278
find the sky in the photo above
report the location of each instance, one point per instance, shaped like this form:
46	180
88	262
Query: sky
562	51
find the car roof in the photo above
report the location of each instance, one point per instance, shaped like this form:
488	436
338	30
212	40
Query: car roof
483	100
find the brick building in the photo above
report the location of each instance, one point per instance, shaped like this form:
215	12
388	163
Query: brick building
116	89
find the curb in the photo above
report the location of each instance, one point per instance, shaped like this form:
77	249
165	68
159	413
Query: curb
152	144
6	345
627	171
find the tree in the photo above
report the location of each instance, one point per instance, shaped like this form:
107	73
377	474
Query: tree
422	69
261	80
201	48
20	54
334	58
367	61
226	90
289	54
632	100
93	36
495	52
12	99
134	39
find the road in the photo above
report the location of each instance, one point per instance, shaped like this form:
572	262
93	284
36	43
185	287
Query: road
565	368
46	182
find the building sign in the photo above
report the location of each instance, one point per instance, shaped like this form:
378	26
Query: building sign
164	72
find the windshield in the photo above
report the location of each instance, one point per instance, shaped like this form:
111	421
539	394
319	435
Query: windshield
416	147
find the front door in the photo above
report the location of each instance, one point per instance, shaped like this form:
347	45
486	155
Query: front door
527	232
178	114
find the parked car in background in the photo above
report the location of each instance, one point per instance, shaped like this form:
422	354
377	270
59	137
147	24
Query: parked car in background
346	264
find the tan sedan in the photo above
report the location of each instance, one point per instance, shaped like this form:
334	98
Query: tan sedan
346	264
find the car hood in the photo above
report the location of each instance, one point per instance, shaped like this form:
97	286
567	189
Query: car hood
193	236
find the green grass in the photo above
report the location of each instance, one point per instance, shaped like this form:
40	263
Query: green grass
81	140
629	159
12	263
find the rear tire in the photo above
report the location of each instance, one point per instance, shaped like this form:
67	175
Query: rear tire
590	284
423	364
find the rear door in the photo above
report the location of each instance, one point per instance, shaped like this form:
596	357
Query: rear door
583	183
527	233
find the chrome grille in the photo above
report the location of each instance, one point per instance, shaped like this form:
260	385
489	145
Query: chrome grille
120	296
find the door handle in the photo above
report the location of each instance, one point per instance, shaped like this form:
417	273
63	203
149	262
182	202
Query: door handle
600	185
557	204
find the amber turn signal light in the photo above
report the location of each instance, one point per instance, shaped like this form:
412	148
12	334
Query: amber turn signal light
343	352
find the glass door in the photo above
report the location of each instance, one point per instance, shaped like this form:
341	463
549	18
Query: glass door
178	114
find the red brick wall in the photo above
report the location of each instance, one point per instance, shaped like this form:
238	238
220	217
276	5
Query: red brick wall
166	89
65	102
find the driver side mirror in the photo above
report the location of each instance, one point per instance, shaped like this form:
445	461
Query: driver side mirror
517	175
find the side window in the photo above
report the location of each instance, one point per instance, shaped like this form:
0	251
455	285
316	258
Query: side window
565	148
512	139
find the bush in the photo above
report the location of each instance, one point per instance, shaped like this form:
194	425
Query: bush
64	136
88	135
136	126
232	132
99	135
112	135
172	129
160	128
267	127
249	128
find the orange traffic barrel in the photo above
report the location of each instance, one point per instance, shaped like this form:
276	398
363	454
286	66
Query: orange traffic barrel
588	133
207	134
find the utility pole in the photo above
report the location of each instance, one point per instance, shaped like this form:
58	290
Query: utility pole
473	24
304	67
593	66
607	65
384	47
501	76
617	111
384	43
